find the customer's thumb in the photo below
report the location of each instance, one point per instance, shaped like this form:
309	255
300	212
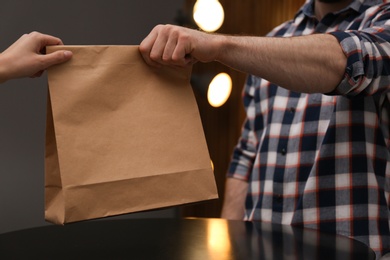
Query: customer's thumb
57	57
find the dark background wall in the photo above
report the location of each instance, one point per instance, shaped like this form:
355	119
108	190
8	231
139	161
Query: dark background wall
23	101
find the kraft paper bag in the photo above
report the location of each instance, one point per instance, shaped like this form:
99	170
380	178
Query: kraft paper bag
121	137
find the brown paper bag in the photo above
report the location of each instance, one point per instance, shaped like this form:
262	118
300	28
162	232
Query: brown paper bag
121	137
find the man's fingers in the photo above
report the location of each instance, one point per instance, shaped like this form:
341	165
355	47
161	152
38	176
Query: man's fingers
146	47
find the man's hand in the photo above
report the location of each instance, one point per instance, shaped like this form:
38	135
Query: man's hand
178	46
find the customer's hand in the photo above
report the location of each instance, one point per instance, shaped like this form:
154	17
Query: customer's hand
26	58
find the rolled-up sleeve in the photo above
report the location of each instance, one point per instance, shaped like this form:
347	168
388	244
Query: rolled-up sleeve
245	152
368	58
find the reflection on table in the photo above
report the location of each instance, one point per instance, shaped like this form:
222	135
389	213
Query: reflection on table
184	239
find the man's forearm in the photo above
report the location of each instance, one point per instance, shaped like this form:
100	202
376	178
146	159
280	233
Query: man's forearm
309	64
234	201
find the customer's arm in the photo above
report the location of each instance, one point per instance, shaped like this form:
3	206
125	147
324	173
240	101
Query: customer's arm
24	58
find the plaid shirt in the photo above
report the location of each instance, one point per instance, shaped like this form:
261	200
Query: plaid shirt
323	161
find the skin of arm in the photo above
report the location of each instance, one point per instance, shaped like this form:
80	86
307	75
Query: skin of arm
234	200
297	63
24	58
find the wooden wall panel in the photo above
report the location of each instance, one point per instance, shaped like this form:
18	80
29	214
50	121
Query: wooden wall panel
222	126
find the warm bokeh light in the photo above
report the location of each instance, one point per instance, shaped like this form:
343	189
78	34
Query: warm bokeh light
218	242
219	89
208	15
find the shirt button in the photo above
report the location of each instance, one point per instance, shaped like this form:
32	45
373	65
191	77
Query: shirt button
292	109
279	198
283	151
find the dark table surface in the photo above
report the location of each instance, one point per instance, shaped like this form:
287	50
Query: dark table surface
184	239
